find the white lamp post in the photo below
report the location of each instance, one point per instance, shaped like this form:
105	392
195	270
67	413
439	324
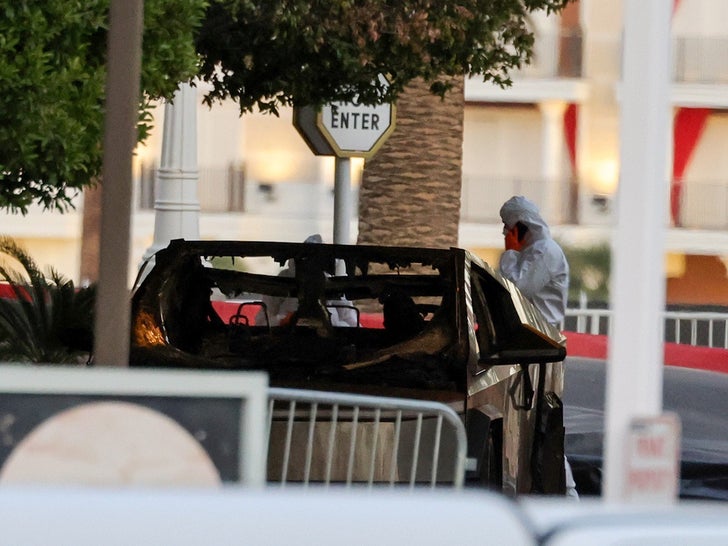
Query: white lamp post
176	206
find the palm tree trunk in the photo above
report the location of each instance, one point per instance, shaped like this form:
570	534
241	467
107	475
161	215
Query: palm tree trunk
91	234
410	191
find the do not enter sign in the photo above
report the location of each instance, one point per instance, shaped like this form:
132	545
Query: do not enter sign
346	129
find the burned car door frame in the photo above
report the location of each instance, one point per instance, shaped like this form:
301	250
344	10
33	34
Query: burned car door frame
520	352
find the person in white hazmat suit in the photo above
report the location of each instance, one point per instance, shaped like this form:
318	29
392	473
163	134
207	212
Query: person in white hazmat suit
533	260
538	267
278	310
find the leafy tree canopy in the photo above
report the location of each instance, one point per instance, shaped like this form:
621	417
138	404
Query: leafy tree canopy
270	53
52	68
261	53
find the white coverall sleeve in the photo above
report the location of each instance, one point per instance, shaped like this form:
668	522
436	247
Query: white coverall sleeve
527	270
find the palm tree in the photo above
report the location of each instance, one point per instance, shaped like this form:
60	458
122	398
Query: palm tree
410	192
91	233
44	319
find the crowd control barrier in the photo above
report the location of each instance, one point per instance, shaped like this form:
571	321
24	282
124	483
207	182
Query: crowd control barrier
353	439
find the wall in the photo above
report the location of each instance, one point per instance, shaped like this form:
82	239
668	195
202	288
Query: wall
500	144
704	282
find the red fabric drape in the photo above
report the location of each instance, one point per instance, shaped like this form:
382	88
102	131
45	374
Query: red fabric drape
687	129
571	119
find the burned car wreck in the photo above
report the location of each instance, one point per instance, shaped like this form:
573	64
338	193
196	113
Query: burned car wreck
435	324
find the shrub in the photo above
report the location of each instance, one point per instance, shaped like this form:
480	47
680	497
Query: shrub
43	318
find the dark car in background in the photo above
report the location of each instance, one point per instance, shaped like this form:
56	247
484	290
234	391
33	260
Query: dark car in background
696	396
421	323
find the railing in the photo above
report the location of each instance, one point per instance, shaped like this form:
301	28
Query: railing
695	59
704	204
349	439
218	190
698	328
483	196
555	55
699	59
587	321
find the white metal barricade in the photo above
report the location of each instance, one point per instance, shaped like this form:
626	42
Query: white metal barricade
698	328
351	439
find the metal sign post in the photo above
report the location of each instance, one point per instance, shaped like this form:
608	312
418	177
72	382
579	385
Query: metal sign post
342	200
345	130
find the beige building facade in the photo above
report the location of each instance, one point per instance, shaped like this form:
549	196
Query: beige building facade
553	136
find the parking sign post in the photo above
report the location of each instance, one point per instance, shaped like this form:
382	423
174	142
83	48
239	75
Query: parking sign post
653	459
634	371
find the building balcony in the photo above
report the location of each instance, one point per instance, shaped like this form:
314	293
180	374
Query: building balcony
559	70
697	59
703	204
219	189
555	55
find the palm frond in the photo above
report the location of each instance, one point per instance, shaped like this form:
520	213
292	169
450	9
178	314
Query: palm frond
47	320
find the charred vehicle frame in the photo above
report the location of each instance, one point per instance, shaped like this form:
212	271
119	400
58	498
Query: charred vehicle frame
422	323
